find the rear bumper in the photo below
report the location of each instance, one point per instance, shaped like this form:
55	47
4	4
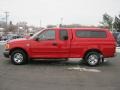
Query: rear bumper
6	53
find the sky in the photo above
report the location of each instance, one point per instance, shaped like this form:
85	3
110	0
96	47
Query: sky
84	12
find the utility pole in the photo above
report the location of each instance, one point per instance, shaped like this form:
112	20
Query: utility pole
61	22
6	17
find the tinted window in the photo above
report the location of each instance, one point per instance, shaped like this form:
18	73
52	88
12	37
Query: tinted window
47	35
63	34
90	34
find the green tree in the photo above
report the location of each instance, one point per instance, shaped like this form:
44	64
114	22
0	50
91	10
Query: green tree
107	21
116	23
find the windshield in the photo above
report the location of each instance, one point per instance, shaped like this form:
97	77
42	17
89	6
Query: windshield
36	34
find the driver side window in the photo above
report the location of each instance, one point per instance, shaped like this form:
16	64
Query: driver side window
47	35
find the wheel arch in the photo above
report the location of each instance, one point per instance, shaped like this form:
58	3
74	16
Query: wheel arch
18	48
92	50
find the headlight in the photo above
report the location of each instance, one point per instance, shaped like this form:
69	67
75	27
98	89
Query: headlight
7	46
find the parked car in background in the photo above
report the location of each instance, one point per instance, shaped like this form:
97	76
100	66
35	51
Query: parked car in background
10	37
4	38
13	36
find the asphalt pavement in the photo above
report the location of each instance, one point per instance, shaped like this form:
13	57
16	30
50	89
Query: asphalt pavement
59	75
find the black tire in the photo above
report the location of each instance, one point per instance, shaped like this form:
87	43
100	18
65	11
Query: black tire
19	57
92	58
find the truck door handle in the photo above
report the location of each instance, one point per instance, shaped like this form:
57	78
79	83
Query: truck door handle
54	44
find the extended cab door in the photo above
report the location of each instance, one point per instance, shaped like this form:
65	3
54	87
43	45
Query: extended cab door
49	45
64	37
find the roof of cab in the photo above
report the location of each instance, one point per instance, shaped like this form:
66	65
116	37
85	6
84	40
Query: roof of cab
79	28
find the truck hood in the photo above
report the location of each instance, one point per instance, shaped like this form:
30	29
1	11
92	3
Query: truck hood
18	40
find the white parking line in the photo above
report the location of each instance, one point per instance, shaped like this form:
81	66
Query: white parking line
84	69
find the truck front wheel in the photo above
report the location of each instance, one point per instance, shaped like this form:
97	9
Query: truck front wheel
19	57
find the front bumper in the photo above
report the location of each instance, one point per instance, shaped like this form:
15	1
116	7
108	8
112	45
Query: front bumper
6	53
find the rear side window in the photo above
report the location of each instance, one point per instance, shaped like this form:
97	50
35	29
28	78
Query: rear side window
63	34
90	34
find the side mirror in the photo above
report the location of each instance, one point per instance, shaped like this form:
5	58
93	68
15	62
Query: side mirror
36	39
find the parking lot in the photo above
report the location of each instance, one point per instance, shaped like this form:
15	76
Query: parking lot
59	75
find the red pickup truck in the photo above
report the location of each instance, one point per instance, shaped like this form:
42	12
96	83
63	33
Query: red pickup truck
91	44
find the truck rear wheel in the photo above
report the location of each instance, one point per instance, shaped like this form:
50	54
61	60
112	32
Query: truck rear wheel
92	58
19	57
